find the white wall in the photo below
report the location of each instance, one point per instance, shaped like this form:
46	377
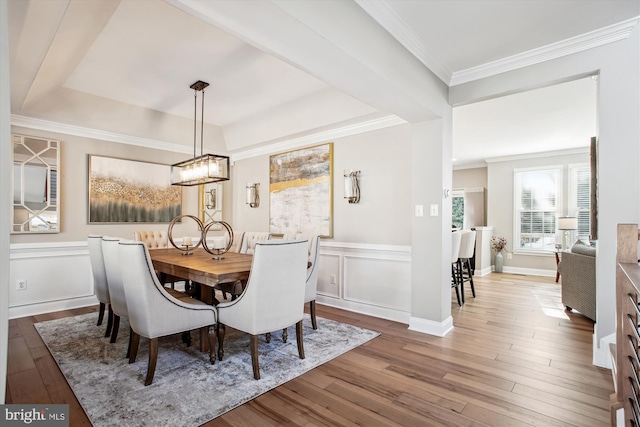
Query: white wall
618	65
5	193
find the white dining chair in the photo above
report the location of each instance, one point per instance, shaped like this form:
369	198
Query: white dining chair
273	298
153	311
456	238
467	248
94	243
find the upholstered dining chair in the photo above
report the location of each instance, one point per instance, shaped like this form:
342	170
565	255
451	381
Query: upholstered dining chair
238	236
311	284
467	247
312	272
273	298
159	239
114	281
456	238
247	246
153	312
94	242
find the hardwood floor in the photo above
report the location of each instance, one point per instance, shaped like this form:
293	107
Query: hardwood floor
514	358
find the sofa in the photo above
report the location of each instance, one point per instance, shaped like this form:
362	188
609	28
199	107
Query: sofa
577	269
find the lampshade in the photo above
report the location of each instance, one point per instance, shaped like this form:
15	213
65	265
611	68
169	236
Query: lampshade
567	223
205	168
253	194
352	186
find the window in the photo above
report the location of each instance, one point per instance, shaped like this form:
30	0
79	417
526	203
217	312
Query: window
537	193
579	197
457	209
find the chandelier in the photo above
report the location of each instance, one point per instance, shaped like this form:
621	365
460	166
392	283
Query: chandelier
205	168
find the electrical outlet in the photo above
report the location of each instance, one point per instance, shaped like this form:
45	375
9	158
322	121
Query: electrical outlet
332	279
21	285
509	255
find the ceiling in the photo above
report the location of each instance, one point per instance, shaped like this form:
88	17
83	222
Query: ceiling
281	70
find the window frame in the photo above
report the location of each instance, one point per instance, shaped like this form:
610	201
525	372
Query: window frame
517	191
572	201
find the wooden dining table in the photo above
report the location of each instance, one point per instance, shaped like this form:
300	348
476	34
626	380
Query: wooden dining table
202	268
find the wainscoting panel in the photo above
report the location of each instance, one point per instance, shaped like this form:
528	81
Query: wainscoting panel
379	281
369	279
329	276
57	275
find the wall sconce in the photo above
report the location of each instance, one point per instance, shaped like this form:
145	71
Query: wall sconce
210	199
253	195
352	186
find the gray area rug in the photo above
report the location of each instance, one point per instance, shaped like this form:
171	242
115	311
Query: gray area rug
187	390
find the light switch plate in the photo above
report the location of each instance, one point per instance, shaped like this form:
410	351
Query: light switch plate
419	210
433	210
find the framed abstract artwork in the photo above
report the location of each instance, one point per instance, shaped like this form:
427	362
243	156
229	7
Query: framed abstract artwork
122	191
301	191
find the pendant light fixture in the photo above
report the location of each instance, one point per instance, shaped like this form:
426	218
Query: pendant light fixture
205	168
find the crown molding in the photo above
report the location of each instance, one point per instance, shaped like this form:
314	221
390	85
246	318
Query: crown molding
45	125
318	137
577	44
567	152
382	13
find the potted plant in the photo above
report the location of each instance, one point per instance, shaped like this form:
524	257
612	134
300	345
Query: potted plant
498	244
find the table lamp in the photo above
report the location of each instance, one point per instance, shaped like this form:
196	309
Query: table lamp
567	224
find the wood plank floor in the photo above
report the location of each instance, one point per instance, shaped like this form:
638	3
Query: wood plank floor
514	358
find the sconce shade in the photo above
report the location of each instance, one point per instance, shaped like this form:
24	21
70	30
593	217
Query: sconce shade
352	187
200	170
253	195
567	223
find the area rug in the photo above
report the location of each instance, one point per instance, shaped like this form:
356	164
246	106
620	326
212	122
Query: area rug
187	390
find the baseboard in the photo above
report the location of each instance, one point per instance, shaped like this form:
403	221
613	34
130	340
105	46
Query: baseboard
439	329
483	272
602	353
367	309
51	306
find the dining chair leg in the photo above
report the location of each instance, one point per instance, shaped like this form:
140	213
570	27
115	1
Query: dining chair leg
254	357
135	343
461	278
312	312
267	337
299	339
220	328
285	334
456	282
211	333
473	289
130	342
101	314
116	327
109	322
153	358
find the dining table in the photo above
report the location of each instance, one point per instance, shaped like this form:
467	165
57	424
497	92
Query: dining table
203	269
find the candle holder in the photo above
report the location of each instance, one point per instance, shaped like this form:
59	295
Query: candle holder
186	249
217	252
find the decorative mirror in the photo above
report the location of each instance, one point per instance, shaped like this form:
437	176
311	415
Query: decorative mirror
35	185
